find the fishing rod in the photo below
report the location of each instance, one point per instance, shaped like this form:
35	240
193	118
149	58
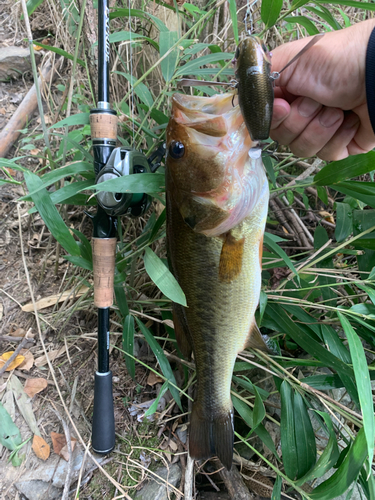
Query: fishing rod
109	163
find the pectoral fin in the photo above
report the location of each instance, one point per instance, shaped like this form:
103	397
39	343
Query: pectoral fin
231	258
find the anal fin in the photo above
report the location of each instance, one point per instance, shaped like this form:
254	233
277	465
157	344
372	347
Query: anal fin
255	339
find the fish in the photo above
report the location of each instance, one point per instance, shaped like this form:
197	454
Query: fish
217	200
255	86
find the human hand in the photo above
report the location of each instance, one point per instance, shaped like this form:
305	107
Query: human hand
320	105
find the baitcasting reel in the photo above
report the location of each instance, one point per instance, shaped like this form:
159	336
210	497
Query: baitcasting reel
124	161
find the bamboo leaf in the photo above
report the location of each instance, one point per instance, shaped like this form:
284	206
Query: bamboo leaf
145	183
329	456
128	344
305	437
163	362
344	221
287	430
341	170
10	435
78	119
140	90
192	66
279	251
270	11
259	411
363	191
303	21
276	492
233	16
154	405
50	215
163	278
362	377
32	5
60	52
348	471
168	65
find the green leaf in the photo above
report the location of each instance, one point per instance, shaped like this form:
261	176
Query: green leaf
50	215
192	66
10	436
78	119
348	471
140	90
303	21
326	16
287	426
263	299
246	413
259	411
276	492
363	191
335	344
128	344
141	14
323	382
362	378
344	224
32	5
58	174
268	241
163	278
329	456
145	183
270	11
233	16
305	437
320	239
79	261
299	336
125	36
154	405
349	3
350	167
121	299
67	192
268	163
163	362
168	65
322	194
60	52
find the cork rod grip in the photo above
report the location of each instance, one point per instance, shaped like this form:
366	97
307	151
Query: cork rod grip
104	256
103	126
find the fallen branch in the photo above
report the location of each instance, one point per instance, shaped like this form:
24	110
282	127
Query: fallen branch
25	110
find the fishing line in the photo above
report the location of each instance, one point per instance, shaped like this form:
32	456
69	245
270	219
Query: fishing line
131	72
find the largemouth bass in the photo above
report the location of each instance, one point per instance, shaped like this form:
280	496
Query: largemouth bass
255	86
217	201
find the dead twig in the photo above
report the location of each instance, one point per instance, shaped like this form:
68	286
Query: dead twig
15	354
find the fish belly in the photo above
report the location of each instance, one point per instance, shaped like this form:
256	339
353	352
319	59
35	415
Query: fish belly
217	321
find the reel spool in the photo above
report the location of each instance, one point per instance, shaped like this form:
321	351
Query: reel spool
124	161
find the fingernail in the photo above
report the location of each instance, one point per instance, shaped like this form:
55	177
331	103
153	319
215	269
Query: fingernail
351	121
307	107
329	117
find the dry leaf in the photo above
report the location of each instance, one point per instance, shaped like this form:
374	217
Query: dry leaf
34	385
20	332
169	323
153	379
34	152
16	362
41	449
327	216
29	360
54	299
3	111
59	445
52	355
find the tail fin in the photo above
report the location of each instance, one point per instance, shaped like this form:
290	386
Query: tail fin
211	436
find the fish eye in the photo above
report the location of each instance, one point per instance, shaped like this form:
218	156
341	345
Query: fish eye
176	150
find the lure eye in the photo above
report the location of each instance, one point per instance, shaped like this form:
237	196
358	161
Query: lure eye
237	54
176	150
